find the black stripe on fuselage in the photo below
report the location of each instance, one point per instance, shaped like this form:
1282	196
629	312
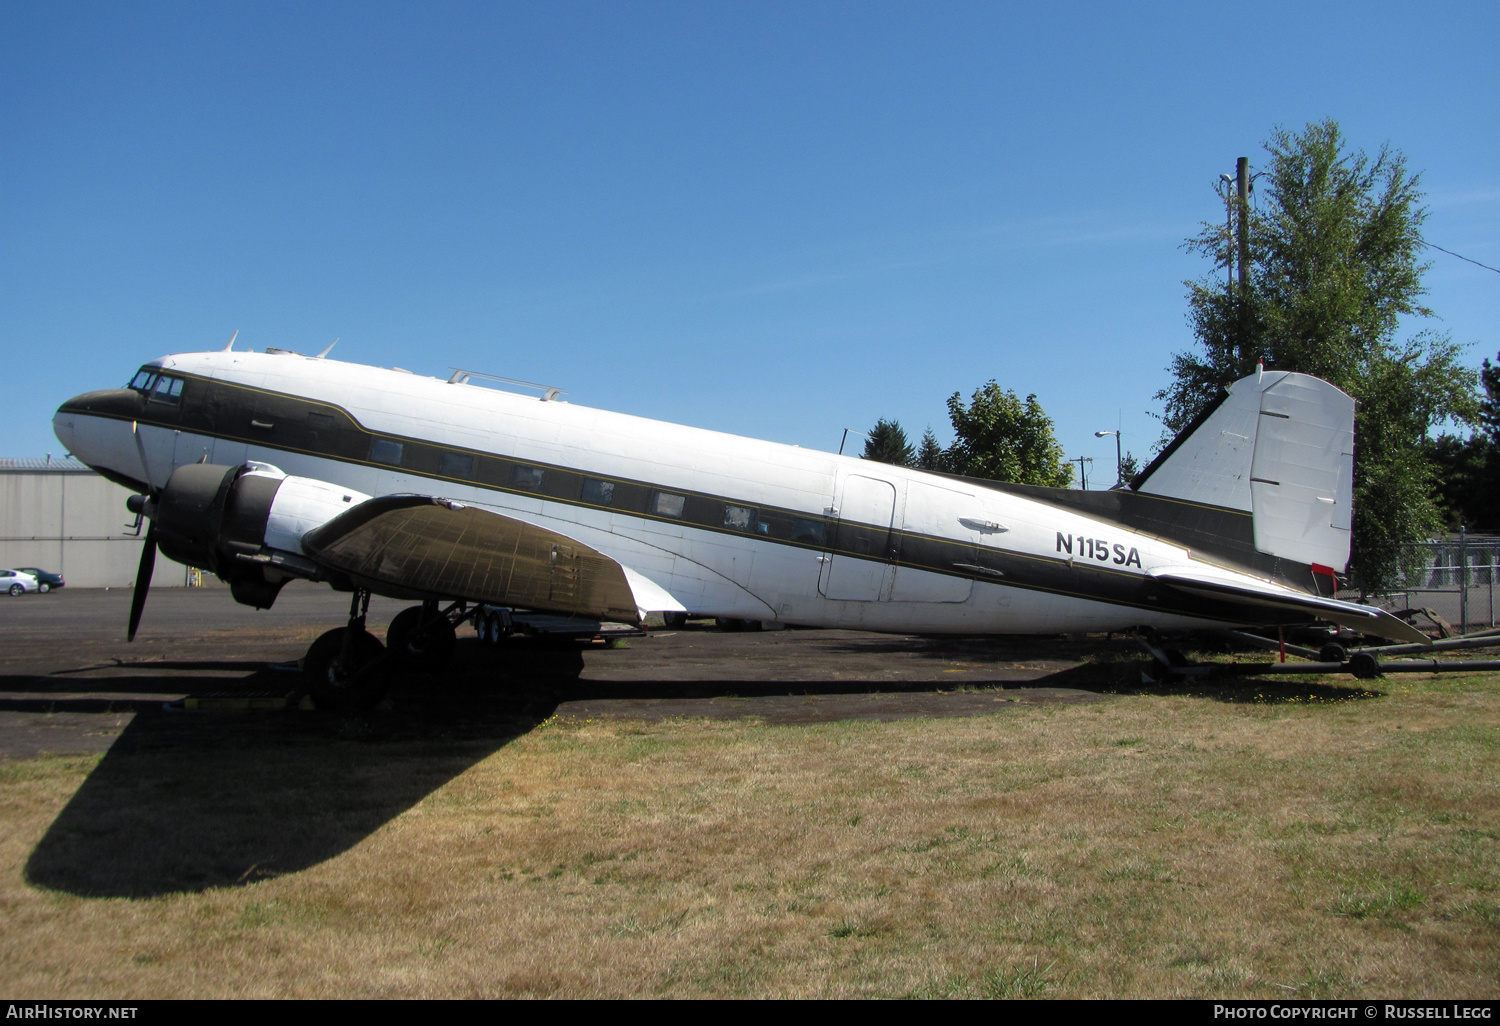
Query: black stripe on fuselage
277	420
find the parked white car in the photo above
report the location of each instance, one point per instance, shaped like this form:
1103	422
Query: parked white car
17	583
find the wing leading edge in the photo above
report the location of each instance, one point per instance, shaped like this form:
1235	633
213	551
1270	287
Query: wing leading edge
417	546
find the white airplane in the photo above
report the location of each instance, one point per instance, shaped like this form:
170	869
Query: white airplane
264	467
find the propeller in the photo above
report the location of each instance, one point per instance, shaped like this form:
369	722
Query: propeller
142	581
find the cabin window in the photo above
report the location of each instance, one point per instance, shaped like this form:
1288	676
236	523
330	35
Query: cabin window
738	518
383	450
526	477
321	421
808	532
142	380
597	492
668	504
166	389
456	464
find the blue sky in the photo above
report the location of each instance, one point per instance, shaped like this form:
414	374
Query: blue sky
776	219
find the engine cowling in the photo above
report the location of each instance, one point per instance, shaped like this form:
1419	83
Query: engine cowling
245	524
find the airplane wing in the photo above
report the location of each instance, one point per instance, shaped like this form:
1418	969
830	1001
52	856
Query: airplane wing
417	545
1201	581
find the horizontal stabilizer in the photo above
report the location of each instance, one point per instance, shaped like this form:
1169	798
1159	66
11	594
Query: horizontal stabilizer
419	546
1365	619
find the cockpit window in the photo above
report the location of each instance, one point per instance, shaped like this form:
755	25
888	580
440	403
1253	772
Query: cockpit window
166	389
156	386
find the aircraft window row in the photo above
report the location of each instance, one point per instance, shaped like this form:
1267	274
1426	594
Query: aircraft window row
570	486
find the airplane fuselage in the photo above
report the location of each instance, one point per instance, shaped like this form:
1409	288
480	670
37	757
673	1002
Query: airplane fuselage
706	522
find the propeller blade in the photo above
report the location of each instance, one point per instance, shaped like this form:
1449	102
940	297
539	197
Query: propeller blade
142	581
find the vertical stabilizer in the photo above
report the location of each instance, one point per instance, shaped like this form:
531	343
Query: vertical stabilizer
1279	446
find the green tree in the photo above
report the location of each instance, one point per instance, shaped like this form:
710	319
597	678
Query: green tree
999	437
1468	468
1335	249
929	453
886	443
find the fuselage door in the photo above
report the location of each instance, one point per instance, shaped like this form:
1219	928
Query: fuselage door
939	545
859	565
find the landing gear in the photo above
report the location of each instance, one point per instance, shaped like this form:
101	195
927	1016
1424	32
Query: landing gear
421	637
346	669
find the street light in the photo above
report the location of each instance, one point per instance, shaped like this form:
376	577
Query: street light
1119	460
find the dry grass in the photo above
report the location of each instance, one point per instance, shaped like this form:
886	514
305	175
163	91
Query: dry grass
1150	845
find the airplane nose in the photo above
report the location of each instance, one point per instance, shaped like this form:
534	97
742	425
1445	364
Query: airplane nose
63	426
112	403
119	403
95	427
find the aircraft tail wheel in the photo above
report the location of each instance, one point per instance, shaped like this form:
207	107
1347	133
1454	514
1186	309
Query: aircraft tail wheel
415	643
346	682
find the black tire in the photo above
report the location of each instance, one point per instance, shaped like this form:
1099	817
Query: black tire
346	688
675	621
1332	652
43	587
492	629
16	589
418	645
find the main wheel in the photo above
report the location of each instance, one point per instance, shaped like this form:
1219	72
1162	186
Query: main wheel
675	621
16	589
417	644
347	683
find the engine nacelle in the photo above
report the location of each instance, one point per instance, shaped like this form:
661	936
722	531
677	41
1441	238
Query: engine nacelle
245	524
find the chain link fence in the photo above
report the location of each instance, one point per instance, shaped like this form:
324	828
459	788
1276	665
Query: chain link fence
1457	580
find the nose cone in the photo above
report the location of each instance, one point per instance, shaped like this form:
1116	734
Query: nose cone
119	403
96	427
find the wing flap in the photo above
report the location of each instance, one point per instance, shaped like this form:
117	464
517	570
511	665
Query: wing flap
420	545
1365	619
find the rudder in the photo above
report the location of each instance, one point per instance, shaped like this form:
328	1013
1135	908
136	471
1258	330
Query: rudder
1280	446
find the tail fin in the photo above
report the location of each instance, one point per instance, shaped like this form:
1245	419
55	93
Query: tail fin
1279	446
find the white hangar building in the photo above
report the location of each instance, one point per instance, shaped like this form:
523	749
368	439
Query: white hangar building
59	515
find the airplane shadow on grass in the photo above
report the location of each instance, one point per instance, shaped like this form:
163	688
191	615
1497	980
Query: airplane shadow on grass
191	801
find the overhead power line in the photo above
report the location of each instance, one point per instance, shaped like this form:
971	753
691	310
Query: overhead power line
1450	252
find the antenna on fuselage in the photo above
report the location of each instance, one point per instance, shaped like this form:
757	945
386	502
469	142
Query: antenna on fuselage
230	344
327	351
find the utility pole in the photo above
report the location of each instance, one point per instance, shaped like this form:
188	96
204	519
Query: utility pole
1242	187
1226	184
1083	477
